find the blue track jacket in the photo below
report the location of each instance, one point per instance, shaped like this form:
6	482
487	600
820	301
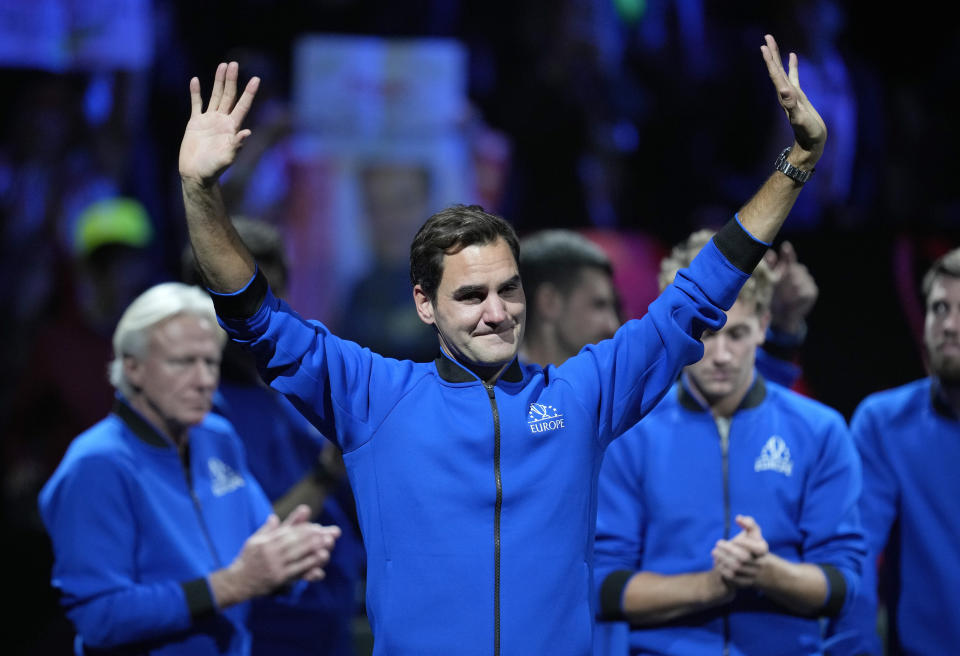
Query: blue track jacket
135	535
478	503
909	442
668	492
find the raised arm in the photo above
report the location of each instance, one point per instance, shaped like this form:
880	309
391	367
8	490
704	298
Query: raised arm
763	214
210	144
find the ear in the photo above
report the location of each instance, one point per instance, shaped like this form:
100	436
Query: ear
764	324
425	309
133	371
549	302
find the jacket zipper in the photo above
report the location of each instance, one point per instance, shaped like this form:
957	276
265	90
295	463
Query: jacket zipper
199	510
724	432
496	519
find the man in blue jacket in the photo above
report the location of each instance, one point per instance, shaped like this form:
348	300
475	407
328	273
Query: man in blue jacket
161	536
909	443
727	519
475	477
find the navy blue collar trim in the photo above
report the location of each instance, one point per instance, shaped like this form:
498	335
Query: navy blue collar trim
140	426
754	397
454	372
939	400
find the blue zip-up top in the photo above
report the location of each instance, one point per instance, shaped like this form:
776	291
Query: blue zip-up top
670	488
135	533
477	503
909	442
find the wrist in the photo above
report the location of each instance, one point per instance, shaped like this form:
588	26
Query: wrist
717	589
805	158
197	183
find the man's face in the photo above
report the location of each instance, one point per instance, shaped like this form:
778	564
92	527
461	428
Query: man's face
726	368
479	308
179	374
589	312
941	333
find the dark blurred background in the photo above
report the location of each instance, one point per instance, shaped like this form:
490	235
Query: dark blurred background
633	121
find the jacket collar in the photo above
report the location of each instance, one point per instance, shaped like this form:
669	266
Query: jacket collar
142	428
754	396
938	399
454	372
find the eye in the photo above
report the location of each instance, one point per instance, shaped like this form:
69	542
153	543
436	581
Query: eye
939	308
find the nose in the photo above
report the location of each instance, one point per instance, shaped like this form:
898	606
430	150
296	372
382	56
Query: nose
206	374
721	350
951	322
494	310
611	323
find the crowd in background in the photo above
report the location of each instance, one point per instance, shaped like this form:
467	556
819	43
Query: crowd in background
595	115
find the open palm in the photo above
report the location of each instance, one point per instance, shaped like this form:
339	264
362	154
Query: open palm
213	137
808	127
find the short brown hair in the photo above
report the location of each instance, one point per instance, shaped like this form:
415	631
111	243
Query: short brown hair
448	232
759	286
947	265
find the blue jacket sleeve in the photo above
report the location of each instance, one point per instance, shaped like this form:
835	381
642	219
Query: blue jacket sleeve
93	531
621	515
328	379
855	631
623	378
830	519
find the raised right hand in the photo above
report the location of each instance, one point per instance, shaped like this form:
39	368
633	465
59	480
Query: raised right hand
213	137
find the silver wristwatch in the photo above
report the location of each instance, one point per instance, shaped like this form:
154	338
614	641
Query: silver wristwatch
789	170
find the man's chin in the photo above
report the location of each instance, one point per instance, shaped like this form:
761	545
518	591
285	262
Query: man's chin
946	369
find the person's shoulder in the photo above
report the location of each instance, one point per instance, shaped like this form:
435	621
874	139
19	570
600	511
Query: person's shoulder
894	401
100	454
106	438
802	407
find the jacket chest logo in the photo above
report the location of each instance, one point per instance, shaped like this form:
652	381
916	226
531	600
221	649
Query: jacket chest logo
223	479
775	456
542	418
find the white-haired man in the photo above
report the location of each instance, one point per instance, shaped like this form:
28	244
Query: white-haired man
160	534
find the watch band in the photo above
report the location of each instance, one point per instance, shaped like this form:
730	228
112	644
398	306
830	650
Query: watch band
789	170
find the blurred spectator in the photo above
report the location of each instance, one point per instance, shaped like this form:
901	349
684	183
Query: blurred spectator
64	388
909	442
395	200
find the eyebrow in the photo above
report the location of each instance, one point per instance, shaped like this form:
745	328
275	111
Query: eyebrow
467	290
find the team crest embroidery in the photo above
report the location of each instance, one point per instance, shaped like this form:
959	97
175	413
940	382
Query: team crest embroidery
775	456
223	479
542	418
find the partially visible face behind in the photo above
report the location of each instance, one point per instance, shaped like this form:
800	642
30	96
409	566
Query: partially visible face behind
479	308
589	313
179	374
726	369
941	332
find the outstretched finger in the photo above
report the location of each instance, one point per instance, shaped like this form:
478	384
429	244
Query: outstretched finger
229	87
771	54
794	70
788	254
217	93
246	100
196	102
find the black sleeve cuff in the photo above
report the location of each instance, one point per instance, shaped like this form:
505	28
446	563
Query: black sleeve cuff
243	304
738	246
199	600
838	591
611	592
